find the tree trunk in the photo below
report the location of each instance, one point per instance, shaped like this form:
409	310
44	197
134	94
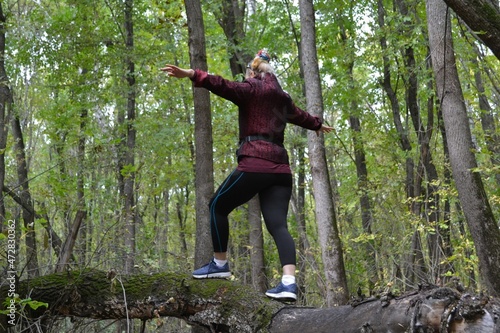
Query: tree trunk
231	20
361	168
129	179
488	119
256	241
5	105
415	268
25	195
332	255
55	241
225	306
66	252
364	199
306	260
482	17
204	178
426	171
472	196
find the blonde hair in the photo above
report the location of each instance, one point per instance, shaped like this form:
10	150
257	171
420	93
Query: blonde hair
260	66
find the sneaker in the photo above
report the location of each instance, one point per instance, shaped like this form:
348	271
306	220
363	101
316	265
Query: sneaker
211	270
283	292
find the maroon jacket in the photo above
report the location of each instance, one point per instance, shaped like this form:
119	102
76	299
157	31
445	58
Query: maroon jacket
264	111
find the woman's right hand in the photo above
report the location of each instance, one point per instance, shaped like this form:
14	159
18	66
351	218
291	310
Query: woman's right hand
177	71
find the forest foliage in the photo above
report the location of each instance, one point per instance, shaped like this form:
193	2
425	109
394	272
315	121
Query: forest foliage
65	65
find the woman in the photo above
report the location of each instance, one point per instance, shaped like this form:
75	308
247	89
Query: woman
263	166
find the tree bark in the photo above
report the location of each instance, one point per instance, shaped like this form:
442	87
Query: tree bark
488	118
360	162
256	241
483	17
129	179
426	172
5	105
305	257
331	247
225	306
232	20
55	240
306	260
25	195
204	169
66	252
471	193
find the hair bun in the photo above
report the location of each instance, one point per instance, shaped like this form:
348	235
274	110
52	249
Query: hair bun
263	55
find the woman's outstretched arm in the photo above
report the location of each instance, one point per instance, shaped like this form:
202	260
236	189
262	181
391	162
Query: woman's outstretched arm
178	72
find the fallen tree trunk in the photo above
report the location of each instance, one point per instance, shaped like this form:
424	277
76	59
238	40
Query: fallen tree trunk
225	306
434	310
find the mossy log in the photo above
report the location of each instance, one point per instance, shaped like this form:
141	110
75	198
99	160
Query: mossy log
228	306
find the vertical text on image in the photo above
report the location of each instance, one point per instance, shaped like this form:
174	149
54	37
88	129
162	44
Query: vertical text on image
11	271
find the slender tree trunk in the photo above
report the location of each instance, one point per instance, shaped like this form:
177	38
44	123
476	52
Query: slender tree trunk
332	254
364	199
426	171
259	280
129	179
306	260
447	180
67	250
162	231
414	265
361	170
182	233
25	195
5	105
232	19
204	178
475	204
80	188
488	119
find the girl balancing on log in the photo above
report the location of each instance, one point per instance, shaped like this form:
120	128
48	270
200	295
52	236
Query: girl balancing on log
263	165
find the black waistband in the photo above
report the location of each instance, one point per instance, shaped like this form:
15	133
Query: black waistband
259	137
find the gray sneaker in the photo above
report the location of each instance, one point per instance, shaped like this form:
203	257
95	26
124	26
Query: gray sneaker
211	270
283	293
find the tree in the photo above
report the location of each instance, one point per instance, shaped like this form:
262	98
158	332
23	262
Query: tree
331	247
204	179
471	192
25	195
127	170
232	19
415	269
66	253
483	17
5	105
363	183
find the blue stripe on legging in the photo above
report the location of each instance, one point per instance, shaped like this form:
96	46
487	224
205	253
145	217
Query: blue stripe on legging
212	208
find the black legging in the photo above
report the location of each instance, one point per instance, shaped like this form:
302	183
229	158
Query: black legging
274	191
